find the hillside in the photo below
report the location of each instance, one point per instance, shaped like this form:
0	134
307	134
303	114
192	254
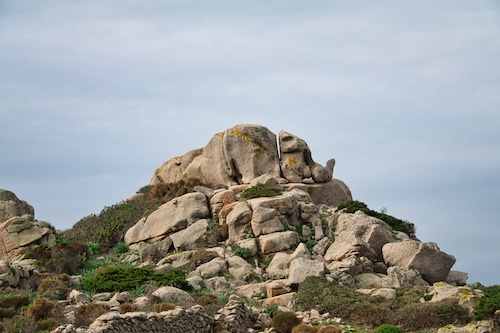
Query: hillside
247	234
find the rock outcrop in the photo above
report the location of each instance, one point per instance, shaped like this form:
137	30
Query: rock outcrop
19	231
244	152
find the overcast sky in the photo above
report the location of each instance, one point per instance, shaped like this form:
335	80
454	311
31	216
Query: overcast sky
405	95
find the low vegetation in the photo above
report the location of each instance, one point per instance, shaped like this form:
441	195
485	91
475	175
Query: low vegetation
353	206
261	190
405	311
123	278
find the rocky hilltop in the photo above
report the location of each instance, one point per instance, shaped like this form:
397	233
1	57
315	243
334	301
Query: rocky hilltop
256	218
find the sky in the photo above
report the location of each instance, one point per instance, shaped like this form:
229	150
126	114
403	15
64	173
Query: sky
405	95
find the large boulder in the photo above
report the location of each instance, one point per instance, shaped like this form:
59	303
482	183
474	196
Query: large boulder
376	233
427	258
242	153
329	193
11	205
175	215
235	156
297	163
348	243
300	268
278	241
197	235
20	234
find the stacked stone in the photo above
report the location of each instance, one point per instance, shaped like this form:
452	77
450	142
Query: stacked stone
235	317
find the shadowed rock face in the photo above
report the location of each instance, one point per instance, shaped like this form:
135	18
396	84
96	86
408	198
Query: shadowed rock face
242	153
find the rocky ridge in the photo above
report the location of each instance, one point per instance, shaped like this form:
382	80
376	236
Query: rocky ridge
260	247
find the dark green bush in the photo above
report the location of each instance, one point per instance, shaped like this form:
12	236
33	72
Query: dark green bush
488	304
8	312
284	322
388	328
353	206
241	251
120	278
261	190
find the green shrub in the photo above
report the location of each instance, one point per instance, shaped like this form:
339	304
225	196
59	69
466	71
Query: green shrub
488	304
94	248
261	190
353	206
120	278
388	328
241	251
284	322
341	301
271	309
121	248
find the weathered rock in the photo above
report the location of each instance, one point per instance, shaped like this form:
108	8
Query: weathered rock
197	235
321	247
11	206
376	233
297	163
300	268
368	280
265	221
214	267
20	234
235	317
466	296
346	244
457	278
398	277
330	193
283	300
156	250
279	266
174	295
173	216
252	290
238	220
278	241
78	298
385	293
240	269
433	264
277	287
219	200
235	156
